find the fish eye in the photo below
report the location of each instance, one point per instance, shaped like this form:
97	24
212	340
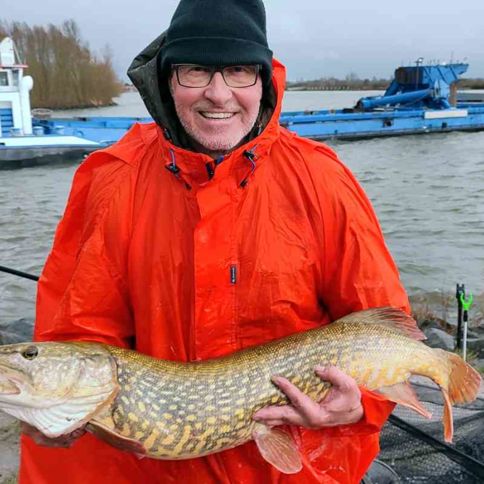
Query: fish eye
30	353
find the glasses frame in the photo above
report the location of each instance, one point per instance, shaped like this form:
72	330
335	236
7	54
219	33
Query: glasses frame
214	70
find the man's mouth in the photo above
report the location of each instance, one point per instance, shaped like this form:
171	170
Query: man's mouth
212	115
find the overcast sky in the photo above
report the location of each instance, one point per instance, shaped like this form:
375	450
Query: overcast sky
313	38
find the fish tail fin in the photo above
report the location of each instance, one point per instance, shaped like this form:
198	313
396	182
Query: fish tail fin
463	386
464	381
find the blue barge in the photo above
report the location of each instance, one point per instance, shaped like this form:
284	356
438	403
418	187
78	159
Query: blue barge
327	124
420	99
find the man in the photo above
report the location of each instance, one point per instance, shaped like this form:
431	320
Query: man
210	231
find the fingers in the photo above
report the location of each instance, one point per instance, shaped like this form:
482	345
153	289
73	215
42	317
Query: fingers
340	381
303	410
278	415
343	403
298	399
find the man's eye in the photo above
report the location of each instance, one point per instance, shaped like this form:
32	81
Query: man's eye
198	69
238	69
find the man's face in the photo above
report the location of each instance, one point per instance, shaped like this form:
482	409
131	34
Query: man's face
217	117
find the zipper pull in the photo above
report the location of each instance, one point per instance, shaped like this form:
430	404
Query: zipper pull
233	274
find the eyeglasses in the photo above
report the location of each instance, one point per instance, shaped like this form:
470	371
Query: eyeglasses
193	75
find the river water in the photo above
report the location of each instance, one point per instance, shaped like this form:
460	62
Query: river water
427	190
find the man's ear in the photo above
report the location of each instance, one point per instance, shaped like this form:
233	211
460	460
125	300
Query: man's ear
171	82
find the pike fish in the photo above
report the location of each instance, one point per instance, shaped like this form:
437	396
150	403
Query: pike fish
171	410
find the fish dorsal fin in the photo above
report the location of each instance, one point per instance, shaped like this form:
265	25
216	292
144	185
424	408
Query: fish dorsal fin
278	448
405	395
386	316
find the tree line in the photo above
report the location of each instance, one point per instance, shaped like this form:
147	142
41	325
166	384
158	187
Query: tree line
351	83
66	73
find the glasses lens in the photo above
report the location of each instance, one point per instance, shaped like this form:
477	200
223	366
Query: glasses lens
240	76
193	75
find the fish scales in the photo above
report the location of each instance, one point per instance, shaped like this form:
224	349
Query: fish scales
173	410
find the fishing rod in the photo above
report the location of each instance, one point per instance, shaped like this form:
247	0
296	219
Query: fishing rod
463	306
25	275
459	291
466	305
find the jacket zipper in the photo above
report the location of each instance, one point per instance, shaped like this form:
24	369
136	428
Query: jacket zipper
233	274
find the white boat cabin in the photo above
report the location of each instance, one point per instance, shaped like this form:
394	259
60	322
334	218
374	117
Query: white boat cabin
15	116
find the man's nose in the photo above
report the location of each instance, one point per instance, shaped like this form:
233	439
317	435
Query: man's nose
217	91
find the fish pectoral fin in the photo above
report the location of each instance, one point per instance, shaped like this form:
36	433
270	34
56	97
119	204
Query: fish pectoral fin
112	438
278	448
405	395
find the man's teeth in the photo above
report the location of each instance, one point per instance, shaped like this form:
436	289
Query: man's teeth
216	115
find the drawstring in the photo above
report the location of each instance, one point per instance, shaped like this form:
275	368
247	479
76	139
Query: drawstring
173	168
250	155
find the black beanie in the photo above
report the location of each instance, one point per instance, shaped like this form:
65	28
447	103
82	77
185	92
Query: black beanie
218	32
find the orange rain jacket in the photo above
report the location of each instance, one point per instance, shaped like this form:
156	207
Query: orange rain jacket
282	239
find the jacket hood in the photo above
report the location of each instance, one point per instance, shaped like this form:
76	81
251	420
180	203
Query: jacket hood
145	73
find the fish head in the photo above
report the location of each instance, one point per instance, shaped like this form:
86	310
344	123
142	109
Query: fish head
56	387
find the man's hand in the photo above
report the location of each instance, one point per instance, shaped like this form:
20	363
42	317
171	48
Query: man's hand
341	406
39	438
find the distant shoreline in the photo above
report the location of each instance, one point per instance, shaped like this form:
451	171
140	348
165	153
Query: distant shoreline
298	89
320	88
312	86
82	106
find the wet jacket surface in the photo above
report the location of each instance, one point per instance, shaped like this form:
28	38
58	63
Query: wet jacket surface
152	254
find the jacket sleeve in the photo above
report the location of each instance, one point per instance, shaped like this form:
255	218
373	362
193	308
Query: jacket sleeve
83	292
358	270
